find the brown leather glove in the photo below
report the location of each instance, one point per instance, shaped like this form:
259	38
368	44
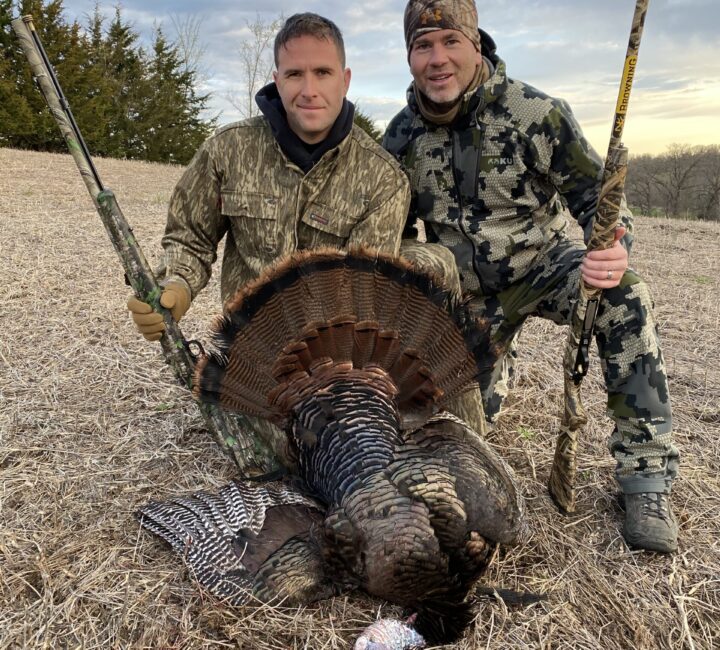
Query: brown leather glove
175	297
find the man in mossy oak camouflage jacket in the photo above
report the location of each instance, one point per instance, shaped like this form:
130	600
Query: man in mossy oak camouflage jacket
299	176
493	165
285	180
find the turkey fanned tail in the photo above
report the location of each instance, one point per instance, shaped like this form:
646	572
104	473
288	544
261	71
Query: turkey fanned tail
326	312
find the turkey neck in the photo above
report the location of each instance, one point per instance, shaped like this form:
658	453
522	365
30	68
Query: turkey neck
344	433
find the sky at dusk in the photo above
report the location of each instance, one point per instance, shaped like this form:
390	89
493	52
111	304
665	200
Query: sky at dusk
568	48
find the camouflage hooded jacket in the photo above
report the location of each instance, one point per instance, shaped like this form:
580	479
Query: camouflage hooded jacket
242	185
492	186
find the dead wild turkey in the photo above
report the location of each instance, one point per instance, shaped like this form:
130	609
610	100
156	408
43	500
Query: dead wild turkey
354	354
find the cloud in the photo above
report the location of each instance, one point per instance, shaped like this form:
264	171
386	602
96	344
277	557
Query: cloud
568	48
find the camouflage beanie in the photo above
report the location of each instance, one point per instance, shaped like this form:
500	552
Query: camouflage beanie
423	16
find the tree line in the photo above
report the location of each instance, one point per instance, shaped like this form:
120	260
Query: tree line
129	101
682	182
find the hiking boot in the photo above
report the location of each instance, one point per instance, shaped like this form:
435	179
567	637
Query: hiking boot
649	522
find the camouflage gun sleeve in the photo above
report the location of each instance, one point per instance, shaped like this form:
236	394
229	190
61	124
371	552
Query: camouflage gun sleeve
251	454
195	225
385	219
576	170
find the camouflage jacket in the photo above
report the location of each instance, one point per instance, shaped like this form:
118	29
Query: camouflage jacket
492	186
241	185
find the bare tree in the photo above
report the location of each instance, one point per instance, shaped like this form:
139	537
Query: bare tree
677	178
191	48
684	181
256	63
641	186
708	196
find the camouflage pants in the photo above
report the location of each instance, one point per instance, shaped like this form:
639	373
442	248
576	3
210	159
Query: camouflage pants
439	262
629	349
255	445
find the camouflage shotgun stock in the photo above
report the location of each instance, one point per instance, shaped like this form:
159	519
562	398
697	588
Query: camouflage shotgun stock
232	433
576	359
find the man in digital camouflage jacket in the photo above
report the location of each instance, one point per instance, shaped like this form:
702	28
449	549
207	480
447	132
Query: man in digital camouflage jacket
493	165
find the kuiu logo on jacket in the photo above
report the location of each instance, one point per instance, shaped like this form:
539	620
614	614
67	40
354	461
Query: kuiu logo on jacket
498	161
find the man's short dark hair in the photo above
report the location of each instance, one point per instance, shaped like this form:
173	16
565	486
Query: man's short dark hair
309	24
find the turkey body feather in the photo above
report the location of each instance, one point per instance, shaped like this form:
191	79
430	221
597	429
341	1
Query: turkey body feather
345	350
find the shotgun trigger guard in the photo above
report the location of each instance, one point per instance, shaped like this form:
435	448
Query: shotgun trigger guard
195	349
582	360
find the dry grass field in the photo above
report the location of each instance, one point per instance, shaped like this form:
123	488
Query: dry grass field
92	425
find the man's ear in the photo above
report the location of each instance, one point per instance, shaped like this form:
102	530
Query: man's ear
275	76
347	73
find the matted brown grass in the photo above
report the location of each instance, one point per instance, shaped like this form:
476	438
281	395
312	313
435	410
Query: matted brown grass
92	425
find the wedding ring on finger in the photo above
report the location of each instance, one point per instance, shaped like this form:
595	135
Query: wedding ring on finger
609	275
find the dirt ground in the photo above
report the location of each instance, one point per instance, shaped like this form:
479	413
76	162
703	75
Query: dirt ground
92	425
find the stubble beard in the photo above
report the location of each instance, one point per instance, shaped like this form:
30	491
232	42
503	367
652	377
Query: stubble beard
447	105
443	107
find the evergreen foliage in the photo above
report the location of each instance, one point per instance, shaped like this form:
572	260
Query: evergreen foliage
128	102
367	124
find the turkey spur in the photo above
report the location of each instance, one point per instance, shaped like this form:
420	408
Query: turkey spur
354	355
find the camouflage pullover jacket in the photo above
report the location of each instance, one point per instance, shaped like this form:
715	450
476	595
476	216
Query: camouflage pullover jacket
240	184
492	185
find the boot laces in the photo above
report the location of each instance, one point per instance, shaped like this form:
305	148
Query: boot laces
655	504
